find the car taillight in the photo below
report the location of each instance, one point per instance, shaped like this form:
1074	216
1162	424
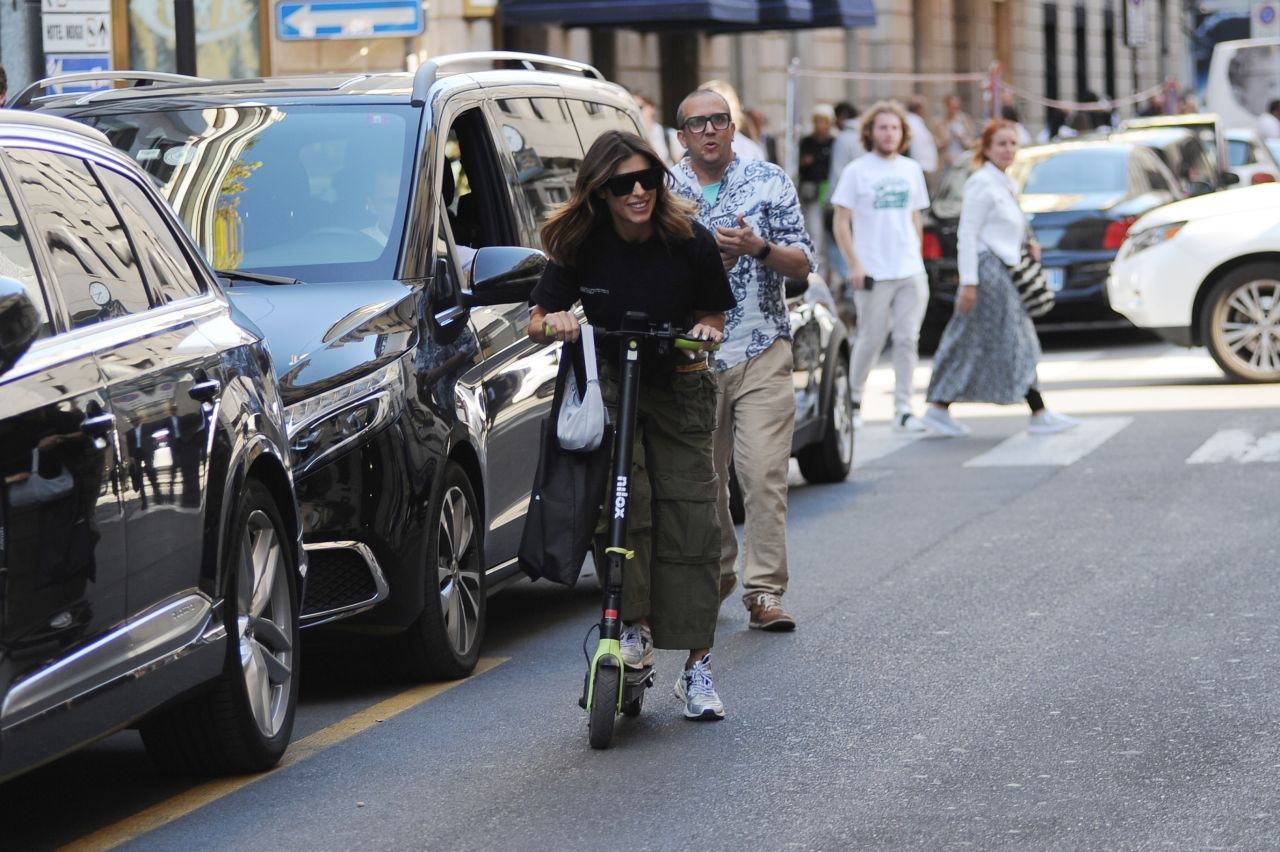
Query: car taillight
931	246
1113	237
1262	177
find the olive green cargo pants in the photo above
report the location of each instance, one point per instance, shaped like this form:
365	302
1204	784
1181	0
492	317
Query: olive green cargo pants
674	579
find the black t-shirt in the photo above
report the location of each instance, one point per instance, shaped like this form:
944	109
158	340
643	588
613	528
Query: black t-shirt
820	149
667	281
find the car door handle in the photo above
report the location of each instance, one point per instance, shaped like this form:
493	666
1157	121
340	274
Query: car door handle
205	390
98	424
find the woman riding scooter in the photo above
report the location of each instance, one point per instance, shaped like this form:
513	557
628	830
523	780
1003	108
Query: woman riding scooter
623	243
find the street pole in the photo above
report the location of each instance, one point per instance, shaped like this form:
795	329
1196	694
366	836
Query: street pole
35	39
791	156
184	36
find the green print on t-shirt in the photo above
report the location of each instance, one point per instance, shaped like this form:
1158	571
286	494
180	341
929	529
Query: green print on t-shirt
891	194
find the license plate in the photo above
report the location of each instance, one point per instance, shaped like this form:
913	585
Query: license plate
1056	276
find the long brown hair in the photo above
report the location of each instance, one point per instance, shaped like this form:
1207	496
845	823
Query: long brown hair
988	136
571	224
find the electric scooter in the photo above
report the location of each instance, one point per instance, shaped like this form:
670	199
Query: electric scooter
610	687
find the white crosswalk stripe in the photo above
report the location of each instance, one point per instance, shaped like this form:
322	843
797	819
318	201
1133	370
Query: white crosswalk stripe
1064	448
877	441
1239	446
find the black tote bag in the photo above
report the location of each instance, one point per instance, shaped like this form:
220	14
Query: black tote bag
567	498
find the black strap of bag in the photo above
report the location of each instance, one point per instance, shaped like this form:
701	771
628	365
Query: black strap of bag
567	496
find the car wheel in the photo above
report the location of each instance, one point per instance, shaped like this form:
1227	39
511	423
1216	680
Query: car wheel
1241	323
444	643
830	458
244	723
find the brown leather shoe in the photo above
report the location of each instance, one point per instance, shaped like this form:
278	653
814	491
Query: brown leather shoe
728	582
767	613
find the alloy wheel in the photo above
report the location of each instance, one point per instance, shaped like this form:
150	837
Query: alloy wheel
458	565
842	413
1246	328
264	613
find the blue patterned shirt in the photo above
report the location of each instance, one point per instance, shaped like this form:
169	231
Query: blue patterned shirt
767	198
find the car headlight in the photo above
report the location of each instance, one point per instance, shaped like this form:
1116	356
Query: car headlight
323	424
1148	237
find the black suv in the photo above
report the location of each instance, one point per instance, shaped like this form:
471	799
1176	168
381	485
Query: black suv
151	560
382	230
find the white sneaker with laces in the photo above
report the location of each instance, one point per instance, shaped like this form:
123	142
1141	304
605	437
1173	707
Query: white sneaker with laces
940	422
1048	422
695	688
637	646
905	421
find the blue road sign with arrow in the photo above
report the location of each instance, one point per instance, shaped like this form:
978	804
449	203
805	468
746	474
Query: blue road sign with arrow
329	19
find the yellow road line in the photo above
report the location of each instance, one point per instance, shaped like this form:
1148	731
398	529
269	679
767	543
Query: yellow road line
165	812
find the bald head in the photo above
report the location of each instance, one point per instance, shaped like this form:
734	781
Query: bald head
702	99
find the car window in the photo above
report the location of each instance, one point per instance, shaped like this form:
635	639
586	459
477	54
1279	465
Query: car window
592	119
547	155
315	192
1239	153
163	261
93	266
16	261
1074	172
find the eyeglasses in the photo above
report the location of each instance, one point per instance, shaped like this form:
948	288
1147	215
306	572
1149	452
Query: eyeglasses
649	179
698	123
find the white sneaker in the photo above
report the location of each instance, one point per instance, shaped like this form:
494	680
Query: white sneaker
857	418
637	646
940	422
1048	422
905	421
695	689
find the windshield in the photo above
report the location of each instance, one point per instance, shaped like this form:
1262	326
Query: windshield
1074	173
316	193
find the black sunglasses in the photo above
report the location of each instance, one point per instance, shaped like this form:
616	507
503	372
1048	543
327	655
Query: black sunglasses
698	123
649	179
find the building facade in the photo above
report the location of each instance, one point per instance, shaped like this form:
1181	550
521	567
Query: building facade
1068	50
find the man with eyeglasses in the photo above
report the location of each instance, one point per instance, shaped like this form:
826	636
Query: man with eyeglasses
754	211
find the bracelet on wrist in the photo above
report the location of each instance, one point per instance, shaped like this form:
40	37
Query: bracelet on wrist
764	252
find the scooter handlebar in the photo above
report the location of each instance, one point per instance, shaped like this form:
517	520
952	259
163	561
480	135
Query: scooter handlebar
681	341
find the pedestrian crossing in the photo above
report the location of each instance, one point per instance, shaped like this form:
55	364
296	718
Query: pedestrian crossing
876	442
1238	446
1058	450
1109	391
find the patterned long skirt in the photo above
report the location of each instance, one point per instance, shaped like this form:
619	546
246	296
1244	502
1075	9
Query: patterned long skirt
989	354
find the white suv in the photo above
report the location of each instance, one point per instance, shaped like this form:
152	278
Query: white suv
1206	271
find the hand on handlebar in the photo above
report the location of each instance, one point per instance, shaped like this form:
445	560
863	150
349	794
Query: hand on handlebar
709	334
561	325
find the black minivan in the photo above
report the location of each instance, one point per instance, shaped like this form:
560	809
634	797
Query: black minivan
383	229
151	561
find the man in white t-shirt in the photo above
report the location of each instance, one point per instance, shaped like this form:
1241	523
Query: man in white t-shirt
878	202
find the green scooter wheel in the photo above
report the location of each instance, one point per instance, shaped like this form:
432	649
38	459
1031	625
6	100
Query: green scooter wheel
604	707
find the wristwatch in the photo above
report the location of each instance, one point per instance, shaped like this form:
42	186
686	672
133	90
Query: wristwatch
764	252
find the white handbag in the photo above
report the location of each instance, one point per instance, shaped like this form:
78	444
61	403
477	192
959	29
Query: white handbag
582	418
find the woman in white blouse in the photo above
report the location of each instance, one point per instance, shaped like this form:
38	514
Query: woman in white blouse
989	349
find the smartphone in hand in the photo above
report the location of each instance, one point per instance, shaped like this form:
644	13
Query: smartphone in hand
868	282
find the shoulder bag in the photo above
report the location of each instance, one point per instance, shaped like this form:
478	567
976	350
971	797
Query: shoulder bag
582	418
567	496
1029	278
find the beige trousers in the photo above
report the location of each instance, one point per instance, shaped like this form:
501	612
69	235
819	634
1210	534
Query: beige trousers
754	425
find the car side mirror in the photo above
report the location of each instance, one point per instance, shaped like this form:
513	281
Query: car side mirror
19	322
1230	178
503	275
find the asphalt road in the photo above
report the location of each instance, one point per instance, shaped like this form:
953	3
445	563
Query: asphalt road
1066	642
